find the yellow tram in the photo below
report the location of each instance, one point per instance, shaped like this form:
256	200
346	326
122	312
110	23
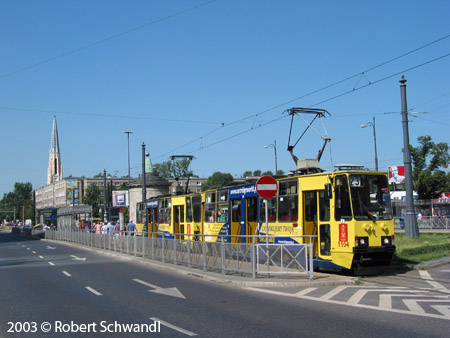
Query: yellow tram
348	211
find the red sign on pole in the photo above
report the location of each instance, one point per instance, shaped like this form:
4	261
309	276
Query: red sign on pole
266	187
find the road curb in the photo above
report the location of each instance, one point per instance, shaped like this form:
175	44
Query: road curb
321	279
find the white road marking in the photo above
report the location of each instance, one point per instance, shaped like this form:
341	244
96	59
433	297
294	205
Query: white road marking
33	252
333	292
361	293
176	328
41	256
164	291
76	258
363	306
51	263
437	286
67	274
95	292
425	275
444	309
413	305
386	298
305	291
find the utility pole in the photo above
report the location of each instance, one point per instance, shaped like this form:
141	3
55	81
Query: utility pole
128	132
144	189
104	197
411	227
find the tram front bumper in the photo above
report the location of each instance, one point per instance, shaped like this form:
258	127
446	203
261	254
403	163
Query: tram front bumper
374	249
373	256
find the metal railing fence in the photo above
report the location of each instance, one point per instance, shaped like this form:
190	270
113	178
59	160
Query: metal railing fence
426	222
229	254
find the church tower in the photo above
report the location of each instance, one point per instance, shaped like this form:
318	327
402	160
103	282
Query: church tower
54	171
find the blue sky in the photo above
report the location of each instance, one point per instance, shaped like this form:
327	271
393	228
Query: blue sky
213	81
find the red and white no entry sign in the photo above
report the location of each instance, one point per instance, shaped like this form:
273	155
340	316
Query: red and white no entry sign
266	187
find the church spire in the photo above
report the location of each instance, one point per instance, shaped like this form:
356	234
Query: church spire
54	171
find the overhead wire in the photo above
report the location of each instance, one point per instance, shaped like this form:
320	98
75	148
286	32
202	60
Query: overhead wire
106	39
112	116
316	104
321	89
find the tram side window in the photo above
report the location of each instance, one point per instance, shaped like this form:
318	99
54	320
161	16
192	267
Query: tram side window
288	201
324	207
188	209
197	203
271	210
342	199
161	214
223	206
236	208
252	209
176	214
210	207
165	212
223	213
141	212
310	206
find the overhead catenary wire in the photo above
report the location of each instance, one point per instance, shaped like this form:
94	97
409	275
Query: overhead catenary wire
254	116
282	117
105	39
314	105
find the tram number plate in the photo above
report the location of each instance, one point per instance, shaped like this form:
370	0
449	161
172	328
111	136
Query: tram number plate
343	244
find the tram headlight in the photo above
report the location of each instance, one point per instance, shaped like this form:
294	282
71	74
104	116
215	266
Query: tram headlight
361	241
386	240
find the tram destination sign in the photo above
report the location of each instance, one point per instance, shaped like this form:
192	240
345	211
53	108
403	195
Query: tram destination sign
266	187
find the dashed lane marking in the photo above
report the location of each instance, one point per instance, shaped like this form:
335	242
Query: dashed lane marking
95	292
174	327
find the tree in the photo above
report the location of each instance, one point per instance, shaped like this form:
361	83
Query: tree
429	159
280	172
171	169
93	197
247	173
257	172
19	200
217	180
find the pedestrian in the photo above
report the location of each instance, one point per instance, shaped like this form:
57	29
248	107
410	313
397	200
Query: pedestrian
131	227
117	228
97	228
104	228
110	228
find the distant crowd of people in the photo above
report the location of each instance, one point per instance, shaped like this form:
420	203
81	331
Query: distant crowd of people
110	227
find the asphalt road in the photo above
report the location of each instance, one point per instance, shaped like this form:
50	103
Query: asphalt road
52	286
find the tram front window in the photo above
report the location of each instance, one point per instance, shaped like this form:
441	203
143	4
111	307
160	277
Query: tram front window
370	197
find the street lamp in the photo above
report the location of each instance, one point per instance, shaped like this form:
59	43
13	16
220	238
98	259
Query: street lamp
374	140
274	145
128	132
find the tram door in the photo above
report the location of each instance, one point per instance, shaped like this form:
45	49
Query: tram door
152	220
252	217
244	218
316	220
178	222
235	221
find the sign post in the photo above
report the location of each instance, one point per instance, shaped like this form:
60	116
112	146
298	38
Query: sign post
267	187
